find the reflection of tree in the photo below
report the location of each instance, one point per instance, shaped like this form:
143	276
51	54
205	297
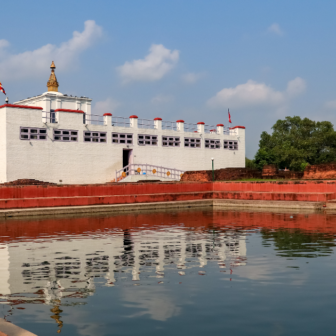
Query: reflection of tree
57	315
299	243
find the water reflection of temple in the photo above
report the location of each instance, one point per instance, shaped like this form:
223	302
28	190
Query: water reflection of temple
57	268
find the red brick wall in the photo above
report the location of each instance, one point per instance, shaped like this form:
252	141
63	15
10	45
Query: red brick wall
325	171
227	174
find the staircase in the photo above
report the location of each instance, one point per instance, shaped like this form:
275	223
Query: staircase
151	172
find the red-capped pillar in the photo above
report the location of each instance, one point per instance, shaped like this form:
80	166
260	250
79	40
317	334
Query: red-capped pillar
220	128
158	123
180	125
107	119
134	121
200	127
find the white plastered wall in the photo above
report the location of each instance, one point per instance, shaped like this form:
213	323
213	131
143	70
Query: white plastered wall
85	162
3	146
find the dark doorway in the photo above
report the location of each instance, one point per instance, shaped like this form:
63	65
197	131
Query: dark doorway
127	155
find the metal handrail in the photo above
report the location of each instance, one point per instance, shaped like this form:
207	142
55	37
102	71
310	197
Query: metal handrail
169	125
93	119
121	122
148	169
229	131
190	127
210	129
49	117
146	123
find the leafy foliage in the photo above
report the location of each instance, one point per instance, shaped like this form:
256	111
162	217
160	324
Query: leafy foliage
299	243
250	164
296	143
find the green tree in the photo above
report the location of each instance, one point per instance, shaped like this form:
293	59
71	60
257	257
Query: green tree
296	143
250	164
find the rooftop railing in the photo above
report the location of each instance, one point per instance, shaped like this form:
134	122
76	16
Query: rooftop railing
210	129
93	119
169	125
190	127
49	117
146	123
121	122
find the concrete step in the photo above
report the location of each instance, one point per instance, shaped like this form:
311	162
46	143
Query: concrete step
275	196
40	202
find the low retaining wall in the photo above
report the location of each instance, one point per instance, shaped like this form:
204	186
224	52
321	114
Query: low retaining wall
322	171
271	171
229	174
46	196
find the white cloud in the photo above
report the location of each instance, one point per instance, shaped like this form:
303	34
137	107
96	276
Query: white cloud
108	105
31	64
275	29
4	43
191	77
295	87
162	99
256	94
153	67
331	104
158	303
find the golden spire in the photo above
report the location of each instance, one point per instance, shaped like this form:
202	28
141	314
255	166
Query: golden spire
52	82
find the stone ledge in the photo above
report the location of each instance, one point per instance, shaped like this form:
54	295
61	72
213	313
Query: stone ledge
10	329
160	206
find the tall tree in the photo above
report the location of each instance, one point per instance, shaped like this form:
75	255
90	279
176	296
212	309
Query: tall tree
297	142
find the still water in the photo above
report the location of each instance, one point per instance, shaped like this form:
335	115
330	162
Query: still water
171	273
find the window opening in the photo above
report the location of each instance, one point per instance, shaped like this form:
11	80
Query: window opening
94	136
147	140
212	143
122	138
33	133
231	144
192	142
65	135
170	141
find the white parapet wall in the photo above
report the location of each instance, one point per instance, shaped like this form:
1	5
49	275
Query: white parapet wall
44	157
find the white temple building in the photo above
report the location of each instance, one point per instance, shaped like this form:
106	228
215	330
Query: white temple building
54	137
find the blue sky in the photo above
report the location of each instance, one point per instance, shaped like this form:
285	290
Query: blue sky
187	59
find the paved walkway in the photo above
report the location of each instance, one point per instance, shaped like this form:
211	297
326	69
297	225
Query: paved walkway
9	329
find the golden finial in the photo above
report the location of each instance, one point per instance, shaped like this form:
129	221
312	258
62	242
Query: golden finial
52	82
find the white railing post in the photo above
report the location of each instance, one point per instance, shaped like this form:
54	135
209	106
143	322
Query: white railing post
220	128
200	127
134	121
158	123
107	119
180	125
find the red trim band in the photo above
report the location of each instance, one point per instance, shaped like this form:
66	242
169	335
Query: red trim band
220	125
133	117
201	123
107	114
22	106
66	110
243	127
180	121
158	119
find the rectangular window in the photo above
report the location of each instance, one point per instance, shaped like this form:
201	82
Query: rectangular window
95	136
212	143
147	140
192	142
65	135
231	144
33	133
122	138
170	141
